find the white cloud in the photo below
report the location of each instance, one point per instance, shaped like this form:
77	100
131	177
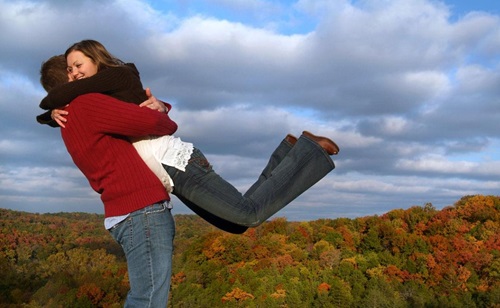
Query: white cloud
477	79
444	166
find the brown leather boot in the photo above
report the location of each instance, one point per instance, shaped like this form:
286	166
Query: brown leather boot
328	145
291	139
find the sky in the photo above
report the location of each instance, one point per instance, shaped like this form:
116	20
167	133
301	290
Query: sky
409	90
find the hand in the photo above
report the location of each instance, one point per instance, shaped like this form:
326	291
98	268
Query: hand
59	115
153	103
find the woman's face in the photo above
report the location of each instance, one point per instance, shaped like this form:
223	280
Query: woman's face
80	66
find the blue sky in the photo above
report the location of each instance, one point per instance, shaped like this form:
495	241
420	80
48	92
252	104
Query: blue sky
462	8
408	89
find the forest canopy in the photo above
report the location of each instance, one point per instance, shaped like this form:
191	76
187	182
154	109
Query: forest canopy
415	257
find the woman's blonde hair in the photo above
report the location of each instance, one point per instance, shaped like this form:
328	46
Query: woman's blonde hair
96	52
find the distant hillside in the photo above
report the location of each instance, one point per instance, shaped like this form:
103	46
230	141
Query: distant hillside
418	257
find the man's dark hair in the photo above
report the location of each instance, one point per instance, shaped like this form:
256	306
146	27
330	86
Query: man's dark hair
53	72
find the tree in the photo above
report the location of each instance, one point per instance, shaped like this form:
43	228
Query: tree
237	295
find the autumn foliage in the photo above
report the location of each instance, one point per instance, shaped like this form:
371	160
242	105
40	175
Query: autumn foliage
417	257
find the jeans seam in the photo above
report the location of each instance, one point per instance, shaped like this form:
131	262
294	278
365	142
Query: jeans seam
150	261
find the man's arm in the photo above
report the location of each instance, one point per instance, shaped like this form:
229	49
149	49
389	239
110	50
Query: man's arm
111	116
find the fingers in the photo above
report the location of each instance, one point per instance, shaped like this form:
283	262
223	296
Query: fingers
155	104
59	116
60	123
152	102
146	103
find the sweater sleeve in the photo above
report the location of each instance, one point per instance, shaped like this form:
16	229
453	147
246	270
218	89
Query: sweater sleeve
45	118
110	80
111	116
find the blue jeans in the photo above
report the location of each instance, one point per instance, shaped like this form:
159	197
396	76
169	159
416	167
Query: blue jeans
291	170
146	237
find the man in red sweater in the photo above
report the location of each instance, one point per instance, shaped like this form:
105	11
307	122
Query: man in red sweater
131	193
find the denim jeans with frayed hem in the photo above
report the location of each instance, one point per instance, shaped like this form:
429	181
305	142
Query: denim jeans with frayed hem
291	170
146	237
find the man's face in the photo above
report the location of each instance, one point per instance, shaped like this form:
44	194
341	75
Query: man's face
80	66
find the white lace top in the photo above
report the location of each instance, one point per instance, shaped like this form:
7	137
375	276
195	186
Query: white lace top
167	150
171	151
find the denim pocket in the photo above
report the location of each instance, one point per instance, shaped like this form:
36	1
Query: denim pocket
122	232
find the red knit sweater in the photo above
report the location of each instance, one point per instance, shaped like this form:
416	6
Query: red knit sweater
94	138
